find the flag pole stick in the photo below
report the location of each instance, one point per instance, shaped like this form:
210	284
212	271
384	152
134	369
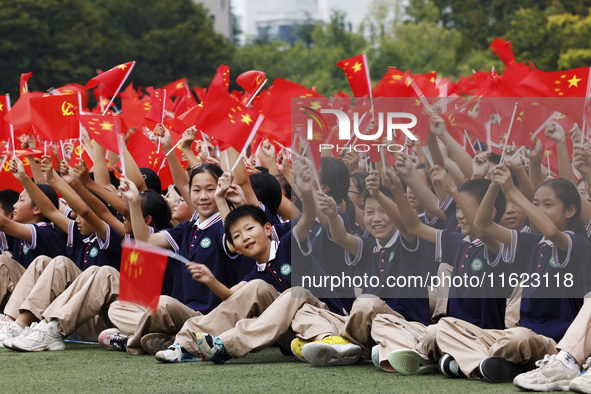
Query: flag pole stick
256	93
118	89
205	143
249	140
10	124
508	133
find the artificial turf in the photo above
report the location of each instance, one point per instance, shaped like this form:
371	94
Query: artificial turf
90	368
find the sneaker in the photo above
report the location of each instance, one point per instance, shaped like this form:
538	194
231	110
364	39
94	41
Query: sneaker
582	383
8	342
176	354
212	348
113	339
410	362
375	356
449	367
40	338
331	351
154	342
498	370
296	348
550	375
9	329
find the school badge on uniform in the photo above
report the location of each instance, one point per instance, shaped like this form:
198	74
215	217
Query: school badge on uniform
477	265
391	257
205	243
25	250
552	262
93	251
285	269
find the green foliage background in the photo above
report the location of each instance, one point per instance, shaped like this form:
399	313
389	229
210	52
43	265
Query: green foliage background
64	41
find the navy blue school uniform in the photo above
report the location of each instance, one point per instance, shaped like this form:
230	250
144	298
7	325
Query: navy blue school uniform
45	241
533	253
327	255
92	250
6	242
395	259
449	208
277	271
471	258
432	266
204	243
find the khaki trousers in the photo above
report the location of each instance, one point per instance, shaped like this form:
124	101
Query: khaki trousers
10	273
82	308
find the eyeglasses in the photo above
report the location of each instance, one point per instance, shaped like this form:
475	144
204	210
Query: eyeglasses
179	200
354	192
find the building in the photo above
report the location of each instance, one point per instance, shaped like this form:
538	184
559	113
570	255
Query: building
220	13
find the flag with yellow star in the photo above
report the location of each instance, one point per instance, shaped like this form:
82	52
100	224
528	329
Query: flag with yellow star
178	88
357	72
24	88
221	78
226	119
112	80
53	118
142	273
103	129
145	153
250	81
157	102
4	126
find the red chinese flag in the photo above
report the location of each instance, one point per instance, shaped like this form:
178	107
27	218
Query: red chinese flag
53	117
20	114
250	81
226	119
357	73
7	180
201	93
134	112
24	88
80	152
4	126
503	50
221	78
103	129
111	80
129	93
142	273
177	88
145	152
190	117
156	105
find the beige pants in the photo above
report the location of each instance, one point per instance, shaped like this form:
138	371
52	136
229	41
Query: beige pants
137	320
312	323
42	282
372	321
469	344
82	308
576	340
513	312
10	273
266	321
442	292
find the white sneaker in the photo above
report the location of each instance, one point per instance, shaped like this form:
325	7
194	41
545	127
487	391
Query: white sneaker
551	375
582	383
8	342
39	339
9	330
411	362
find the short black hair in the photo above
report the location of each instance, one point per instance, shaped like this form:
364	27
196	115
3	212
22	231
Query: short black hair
212	169
8	198
477	188
51	194
243	211
365	194
267	189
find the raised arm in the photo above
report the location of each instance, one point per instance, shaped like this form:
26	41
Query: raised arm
535	163
456	151
518	170
424	195
141	231
483	222
305	182
39	198
536	216
555	132
179	175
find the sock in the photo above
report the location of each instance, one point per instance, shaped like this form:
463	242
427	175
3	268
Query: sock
55	326
20	323
567	360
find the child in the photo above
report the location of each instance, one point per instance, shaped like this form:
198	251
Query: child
500	355
249	231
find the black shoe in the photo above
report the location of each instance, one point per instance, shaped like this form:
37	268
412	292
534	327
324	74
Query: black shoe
449	367
499	370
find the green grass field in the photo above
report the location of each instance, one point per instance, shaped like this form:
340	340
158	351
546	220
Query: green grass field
90	368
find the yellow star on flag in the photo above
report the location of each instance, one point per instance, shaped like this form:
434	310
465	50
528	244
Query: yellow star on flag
574	82
246	119
315	105
122	66
356	67
1	106
107	126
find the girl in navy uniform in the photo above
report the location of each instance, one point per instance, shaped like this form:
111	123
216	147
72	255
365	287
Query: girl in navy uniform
560	249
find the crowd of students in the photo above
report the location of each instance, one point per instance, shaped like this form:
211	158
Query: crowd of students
244	231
